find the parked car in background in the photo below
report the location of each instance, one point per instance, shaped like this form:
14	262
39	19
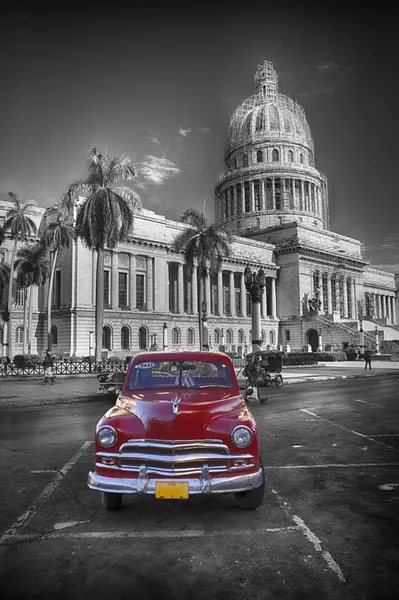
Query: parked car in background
111	384
180	427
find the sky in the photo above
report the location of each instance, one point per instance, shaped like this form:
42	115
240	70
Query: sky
159	84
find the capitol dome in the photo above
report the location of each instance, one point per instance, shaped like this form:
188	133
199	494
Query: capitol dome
270	177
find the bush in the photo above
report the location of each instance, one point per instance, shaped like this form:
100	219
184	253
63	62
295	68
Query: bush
27	360
332	356
351	354
299	358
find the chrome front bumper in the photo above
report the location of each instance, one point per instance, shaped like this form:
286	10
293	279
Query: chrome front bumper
200	485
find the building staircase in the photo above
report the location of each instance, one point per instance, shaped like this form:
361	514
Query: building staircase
350	329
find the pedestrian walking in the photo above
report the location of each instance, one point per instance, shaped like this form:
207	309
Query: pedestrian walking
48	365
367	360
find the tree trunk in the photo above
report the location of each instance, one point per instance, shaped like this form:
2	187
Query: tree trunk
25	331
99	303
10	307
49	302
30	321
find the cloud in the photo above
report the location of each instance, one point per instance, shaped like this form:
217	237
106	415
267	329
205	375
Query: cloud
154	139
324	78
158	169
205	129
184	132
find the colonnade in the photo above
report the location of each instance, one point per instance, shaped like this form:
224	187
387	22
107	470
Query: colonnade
384	307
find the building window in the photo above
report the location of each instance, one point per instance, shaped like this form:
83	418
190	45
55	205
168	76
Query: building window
140	292
122	289
235	163
263	337
277	193
241	336
175	335
107	337
257	223
143	338
190	336
290	156
260	119
259	156
238	198
247	204
257	198
57	290
19	335
245	160
214	299
216	336
301	158
125	338
54	335
275	155
269	193
287	335
19	296
272	337
249	304
107	302
229	336
238	301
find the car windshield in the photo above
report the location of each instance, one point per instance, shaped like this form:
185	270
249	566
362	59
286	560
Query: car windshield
180	374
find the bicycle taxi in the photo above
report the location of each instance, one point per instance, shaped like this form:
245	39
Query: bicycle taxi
263	368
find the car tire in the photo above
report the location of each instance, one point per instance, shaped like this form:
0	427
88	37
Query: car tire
278	381
111	501
253	498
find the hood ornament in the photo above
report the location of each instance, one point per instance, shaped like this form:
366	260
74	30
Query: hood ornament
176	401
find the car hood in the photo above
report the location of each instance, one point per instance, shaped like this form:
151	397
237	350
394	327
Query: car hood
191	416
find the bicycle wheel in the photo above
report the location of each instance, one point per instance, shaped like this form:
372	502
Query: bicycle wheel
278	382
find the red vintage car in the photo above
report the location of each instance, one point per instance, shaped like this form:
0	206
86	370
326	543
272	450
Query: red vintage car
179	428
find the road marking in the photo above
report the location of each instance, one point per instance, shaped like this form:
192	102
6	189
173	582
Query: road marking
388	486
64	525
24	519
313	539
308	412
185	533
333	466
370	403
44	471
384	434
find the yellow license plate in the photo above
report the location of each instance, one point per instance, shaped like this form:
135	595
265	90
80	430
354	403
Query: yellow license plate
176	490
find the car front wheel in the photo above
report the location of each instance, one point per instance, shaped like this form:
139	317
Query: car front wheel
253	498
111	501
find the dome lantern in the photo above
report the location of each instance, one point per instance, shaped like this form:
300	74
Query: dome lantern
266	81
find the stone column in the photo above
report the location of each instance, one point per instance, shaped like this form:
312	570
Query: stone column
150	286
243	296
242	198
394	316
263	193
132	282
383	307
252	196
329	294
337	297
194	287
234	191
220	292
380	315
273	194
345	297
302	192
274	298
114	280
320	286
232	295
353	296
264	301
208	293
388	308
180	287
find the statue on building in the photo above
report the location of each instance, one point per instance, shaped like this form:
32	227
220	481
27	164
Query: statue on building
315	302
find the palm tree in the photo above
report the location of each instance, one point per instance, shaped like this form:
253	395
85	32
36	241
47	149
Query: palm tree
207	243
21	227
58	235
106	216
32	270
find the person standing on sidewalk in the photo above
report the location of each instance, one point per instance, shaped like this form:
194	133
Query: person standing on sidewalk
48	365
367	360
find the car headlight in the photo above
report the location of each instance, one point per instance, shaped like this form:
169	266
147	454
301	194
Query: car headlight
242	436
107	436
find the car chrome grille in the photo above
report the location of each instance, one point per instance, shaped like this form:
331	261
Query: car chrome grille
175	458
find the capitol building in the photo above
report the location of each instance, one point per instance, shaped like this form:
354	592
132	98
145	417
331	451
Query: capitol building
320	289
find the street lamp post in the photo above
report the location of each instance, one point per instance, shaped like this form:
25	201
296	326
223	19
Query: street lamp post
204	328
377	341
255	285
6	317
361	336
165	337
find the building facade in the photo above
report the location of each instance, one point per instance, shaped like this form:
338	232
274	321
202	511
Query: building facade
320	290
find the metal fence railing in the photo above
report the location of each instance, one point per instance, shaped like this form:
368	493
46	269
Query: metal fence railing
63	368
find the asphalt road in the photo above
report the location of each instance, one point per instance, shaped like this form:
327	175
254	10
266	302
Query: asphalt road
327	529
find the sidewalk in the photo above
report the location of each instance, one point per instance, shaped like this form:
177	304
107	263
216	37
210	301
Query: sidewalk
31	391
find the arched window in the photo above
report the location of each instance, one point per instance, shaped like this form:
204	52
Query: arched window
175	335
241	336
301	158
263	337
190	336
259	156
216	336
54	335
245	160
290	156
107	337
257	223
235	163
125	338
19	335
275	155
272	337
19	296
143	335
229	336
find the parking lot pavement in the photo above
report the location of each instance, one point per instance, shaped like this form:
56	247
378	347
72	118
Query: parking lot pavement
18	392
